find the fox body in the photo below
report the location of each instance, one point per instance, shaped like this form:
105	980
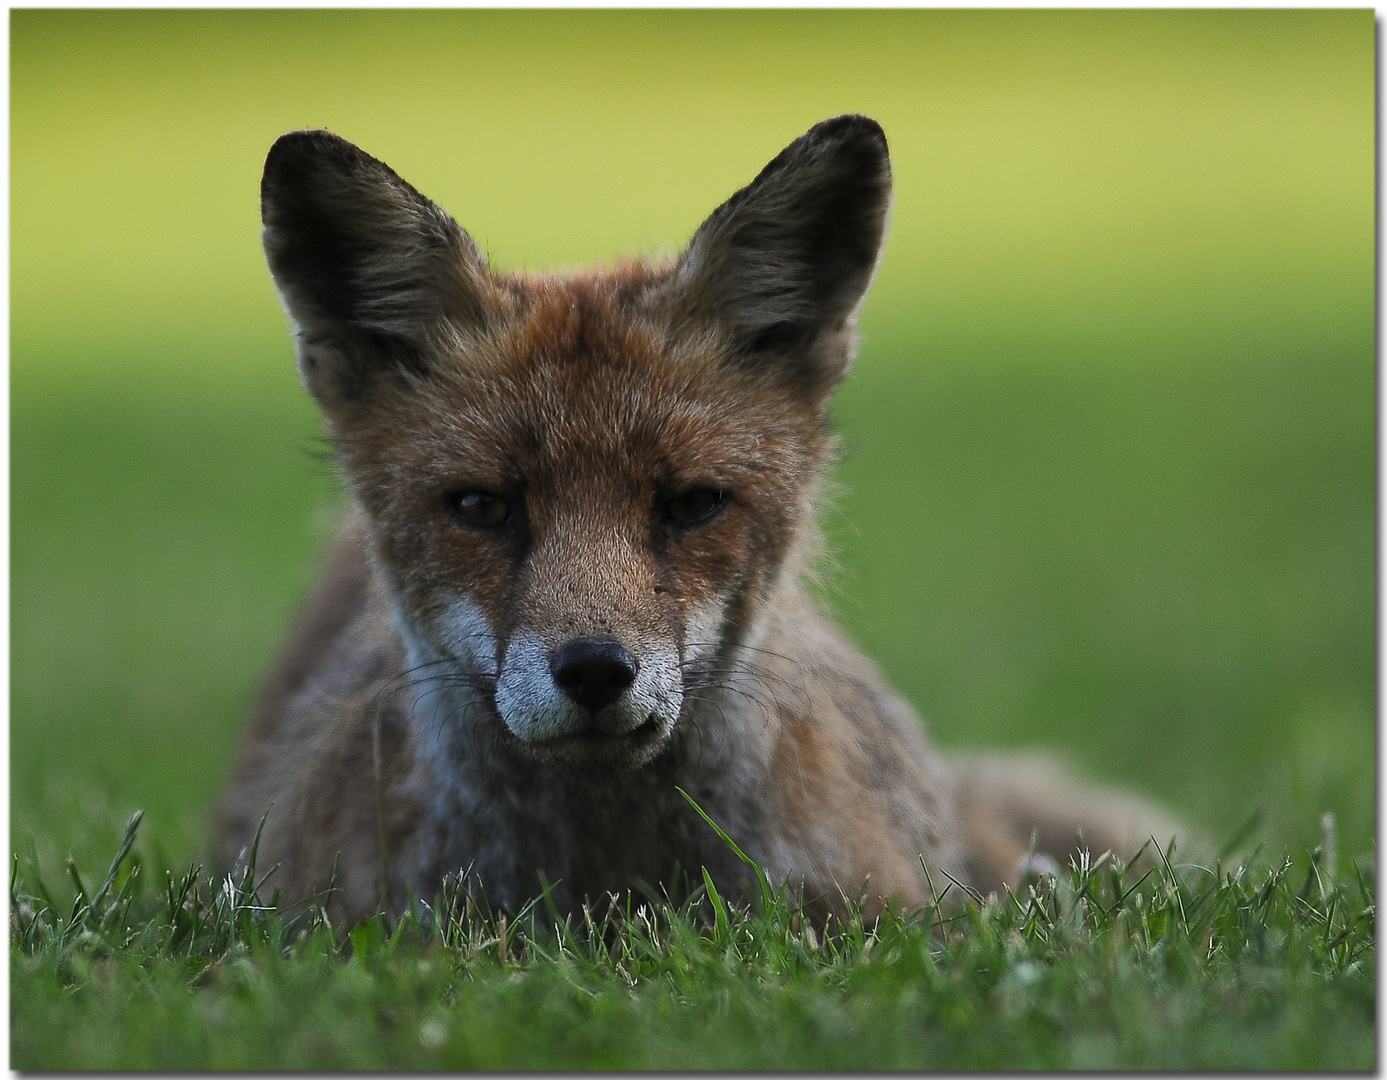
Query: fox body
572	580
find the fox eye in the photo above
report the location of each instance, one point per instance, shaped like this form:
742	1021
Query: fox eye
695	506
481	508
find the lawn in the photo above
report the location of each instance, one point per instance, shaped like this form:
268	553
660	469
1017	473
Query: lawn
1100	968
1108	489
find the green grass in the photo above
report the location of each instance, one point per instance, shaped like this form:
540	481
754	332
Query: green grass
1176	601
1103	967
1164	569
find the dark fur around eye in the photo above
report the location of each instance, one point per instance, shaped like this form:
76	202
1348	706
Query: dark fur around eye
481	508
696	506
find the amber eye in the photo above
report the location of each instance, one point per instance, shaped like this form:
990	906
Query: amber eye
694	506
480	508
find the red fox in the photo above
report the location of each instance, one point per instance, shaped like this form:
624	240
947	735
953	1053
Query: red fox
572	579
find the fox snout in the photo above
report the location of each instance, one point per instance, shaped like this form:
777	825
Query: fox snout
594	673
589	699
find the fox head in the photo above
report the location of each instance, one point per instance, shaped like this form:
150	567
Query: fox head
580	491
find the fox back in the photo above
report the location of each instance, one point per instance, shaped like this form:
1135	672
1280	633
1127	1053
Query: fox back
572	580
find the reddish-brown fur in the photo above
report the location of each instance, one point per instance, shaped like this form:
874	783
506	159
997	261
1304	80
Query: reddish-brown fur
423	720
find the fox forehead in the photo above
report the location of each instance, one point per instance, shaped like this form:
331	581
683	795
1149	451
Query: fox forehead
582	378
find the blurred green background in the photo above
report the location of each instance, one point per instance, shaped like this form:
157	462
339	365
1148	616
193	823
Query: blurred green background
1109	482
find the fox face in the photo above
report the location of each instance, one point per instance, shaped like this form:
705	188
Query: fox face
581	493
570	589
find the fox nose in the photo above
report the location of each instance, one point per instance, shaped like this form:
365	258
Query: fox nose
593	673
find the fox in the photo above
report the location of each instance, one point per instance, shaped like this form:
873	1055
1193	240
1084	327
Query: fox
569	611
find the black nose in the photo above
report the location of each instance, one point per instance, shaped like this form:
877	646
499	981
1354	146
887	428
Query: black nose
593	673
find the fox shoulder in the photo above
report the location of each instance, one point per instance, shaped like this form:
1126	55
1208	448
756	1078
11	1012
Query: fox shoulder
322	772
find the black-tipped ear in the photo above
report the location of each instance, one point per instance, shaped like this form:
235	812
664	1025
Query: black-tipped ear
368	268
785	262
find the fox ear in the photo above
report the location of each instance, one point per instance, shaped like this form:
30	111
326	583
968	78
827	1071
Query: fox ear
369	269
784	263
